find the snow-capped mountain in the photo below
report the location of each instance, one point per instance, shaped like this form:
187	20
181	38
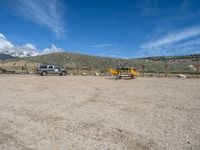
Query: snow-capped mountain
27	50
8	49
19	52
5	56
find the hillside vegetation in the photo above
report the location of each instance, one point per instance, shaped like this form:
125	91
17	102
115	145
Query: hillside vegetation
72	61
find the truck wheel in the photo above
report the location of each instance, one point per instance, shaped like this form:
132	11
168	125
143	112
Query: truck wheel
44	73
63	73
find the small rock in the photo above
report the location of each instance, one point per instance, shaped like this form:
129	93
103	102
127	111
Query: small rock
182	76
191	66
84	74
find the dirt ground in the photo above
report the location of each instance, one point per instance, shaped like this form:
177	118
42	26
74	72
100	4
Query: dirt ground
85	112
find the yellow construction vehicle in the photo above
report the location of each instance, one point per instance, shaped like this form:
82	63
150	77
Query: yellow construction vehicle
124	72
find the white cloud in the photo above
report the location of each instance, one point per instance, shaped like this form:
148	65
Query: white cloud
190	43
4	43
184	42
30	46
47	13
172	38
101	45
53	49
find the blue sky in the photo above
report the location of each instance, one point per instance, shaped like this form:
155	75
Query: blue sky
113	28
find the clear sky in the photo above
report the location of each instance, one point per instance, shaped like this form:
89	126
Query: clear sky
116	28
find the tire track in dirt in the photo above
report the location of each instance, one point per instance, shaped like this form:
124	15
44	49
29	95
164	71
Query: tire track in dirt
92	99
110	136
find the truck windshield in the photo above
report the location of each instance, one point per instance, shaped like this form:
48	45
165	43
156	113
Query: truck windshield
43	66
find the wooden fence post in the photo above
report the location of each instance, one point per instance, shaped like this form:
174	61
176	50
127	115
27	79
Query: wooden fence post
166	69
143	66
197	70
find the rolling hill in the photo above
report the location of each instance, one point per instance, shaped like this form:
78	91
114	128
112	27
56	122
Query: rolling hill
73	61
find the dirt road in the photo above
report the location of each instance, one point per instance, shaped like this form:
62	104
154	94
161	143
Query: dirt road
76	112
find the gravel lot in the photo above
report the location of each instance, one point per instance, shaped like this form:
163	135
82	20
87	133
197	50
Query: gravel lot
77	112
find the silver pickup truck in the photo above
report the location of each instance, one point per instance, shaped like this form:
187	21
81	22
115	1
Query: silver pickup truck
45	69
